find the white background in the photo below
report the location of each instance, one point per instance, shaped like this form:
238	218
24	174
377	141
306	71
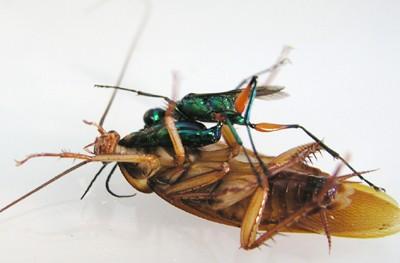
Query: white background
343	83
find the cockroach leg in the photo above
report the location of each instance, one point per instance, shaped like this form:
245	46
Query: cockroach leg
108	185
252	217
93	180
324	222
292	157
316	203
199	181
231	141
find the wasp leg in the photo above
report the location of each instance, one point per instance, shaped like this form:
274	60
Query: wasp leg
233	141
270	127
172	131
199	181
247	96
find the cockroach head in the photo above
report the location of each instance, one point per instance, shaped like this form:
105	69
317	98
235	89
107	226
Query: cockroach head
106	143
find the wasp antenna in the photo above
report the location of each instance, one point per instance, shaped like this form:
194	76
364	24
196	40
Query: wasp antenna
175	84
138	92
44	185
128	57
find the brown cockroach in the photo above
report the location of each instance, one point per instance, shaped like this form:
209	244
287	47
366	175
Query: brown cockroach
214	185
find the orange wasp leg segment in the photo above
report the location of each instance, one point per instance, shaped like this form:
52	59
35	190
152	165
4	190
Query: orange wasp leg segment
243	98
271	127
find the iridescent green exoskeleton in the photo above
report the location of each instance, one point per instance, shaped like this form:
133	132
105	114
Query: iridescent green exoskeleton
192	134
230	108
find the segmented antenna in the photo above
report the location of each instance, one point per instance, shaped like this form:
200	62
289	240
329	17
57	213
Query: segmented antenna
132	47
40	187
135	40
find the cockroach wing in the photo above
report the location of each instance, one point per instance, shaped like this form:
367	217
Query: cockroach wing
369	214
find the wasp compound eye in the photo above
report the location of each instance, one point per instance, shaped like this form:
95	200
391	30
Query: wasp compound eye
153	116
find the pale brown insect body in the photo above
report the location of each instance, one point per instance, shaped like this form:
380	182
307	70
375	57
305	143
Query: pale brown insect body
291	204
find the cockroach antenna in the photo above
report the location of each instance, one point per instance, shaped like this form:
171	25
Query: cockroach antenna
134	42
128	57
131	50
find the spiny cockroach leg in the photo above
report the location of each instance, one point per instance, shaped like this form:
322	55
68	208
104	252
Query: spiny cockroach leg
316	202
324	222
252	217
291	157
199	181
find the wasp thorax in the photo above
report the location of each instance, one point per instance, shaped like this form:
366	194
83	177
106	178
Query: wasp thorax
106	143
